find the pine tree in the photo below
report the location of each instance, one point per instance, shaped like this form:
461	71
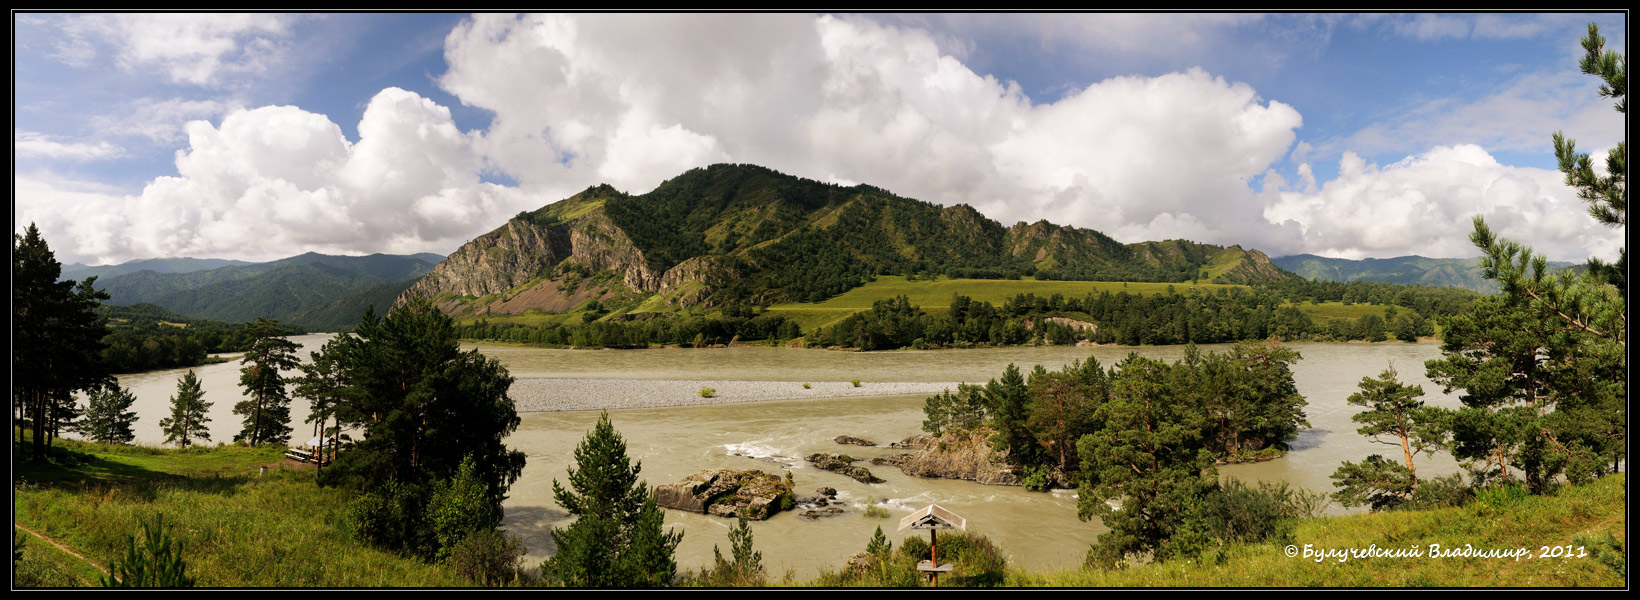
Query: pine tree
56	337
107	418
424	405
1393	410
323	384
879	545
1544	364
188	413
267	410
748	563
616	539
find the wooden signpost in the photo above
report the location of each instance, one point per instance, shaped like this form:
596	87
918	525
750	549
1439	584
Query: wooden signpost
934	518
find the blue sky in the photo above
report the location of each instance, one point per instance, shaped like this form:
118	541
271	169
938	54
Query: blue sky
261	136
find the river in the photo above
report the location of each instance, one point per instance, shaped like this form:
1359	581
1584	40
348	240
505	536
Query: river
1037	530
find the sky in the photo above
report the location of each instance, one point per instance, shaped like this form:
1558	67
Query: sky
261	136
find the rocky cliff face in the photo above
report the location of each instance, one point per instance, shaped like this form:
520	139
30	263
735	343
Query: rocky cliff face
496	261
523	250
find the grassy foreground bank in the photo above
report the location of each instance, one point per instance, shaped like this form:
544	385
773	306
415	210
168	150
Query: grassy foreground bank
240	527
1581	517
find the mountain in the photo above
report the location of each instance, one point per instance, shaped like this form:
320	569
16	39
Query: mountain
317	292
1412	270
76	271
743	234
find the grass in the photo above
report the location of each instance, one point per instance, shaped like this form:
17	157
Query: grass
1578	513
238	528
241	529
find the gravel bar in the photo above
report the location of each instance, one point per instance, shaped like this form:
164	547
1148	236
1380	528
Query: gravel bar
554	395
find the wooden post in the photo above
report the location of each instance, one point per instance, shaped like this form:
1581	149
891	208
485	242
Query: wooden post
934	555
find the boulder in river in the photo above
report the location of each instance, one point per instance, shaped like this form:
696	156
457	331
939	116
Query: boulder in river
840	463
849	439
728	493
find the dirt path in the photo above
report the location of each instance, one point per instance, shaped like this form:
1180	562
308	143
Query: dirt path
64	549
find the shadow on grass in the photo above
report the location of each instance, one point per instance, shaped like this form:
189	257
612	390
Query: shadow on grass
136	471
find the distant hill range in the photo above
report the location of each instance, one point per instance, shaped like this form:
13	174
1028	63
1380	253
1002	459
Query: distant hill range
78	271
317	292
743	234
1411	270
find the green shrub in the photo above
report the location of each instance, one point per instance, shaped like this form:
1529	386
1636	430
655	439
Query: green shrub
488	557
707	392
391	518
1036	478
854	382
1440	492
976	561
1491	498
459	507
158	563
806	386
1237	512
876	511
1607	550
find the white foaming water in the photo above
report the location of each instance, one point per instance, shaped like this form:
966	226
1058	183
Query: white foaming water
762	450
910	504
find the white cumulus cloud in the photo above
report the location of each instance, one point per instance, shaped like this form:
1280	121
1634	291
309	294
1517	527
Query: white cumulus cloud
277	180
1424	205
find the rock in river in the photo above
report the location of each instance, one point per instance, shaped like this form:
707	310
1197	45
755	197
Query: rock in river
849	439
960	455
727	493
839	463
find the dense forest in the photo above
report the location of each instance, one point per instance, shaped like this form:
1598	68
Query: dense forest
144	337
1227	315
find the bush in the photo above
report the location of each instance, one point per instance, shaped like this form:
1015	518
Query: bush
1607	550
876	511
391	518
158	563
459	507
1237	512
1501	495
854	382
1440	492
488	558
707	392
1036	478
976	561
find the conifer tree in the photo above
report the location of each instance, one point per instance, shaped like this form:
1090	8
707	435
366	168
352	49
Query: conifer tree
107	418
267	410
188	413
616	540
1544	364
1394	411
56	337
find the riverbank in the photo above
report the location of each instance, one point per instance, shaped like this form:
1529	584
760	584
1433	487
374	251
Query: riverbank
569	394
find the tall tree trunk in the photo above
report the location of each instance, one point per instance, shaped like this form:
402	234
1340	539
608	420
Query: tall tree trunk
256	420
